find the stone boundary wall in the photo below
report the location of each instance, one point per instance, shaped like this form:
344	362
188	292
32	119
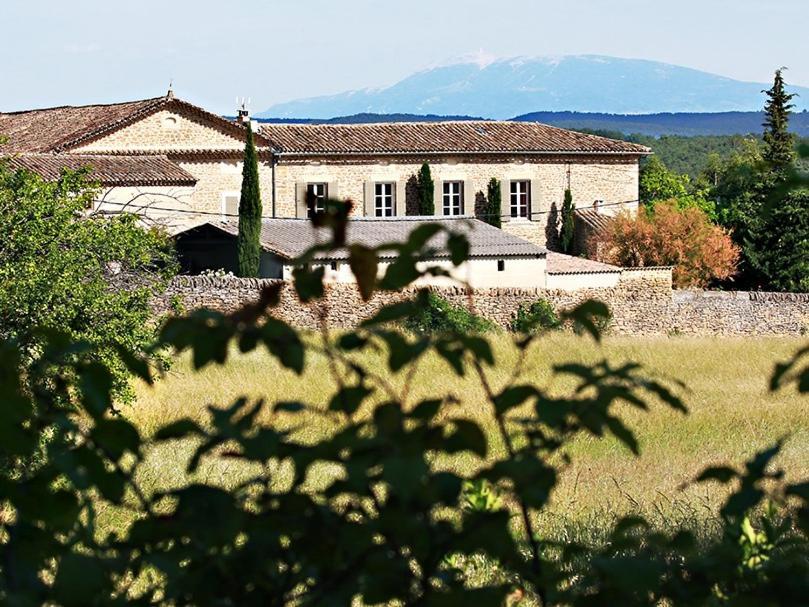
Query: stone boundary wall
642	303
739	313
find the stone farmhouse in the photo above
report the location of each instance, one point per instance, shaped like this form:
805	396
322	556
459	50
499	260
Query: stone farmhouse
179	166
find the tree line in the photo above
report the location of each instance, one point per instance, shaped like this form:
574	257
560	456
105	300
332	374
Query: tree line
738	223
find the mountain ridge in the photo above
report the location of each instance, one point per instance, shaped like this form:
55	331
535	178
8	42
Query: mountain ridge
514	86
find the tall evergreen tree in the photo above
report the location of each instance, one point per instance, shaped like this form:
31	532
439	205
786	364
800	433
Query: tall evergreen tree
248	245
777	245
425	185
779	143
494	203
566	231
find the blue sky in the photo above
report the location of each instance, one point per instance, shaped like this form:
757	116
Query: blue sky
85	51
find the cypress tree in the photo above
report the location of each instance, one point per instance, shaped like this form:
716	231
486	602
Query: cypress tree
494	201
425	185
566	231
779	143
248	245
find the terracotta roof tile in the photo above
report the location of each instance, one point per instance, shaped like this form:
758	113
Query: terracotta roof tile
50	129
108	170
593	219
57	129
439	137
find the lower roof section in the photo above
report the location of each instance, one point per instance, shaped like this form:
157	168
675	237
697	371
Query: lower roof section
107	170
289	238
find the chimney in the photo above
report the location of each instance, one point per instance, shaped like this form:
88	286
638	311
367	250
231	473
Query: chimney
242	114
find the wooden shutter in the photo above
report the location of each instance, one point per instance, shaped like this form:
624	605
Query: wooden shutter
468	200
505	200
300	200
368	199
400	198
438	196
332	191
535	203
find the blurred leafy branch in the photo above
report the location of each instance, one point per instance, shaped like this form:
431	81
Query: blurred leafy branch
388	527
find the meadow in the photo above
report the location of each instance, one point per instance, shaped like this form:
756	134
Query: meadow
731	415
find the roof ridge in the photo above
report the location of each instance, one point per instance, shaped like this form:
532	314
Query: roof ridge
381	123
80	107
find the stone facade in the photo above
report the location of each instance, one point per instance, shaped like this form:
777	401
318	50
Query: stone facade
163	131
213	155
590	179
642	303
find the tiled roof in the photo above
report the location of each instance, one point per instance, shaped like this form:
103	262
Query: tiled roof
108	170
289	238
593	219
566	264
60	128
481	137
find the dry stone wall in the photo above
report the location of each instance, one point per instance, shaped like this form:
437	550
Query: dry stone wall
642	304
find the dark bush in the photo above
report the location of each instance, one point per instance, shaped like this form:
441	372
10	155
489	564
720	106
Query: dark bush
442	316
536	317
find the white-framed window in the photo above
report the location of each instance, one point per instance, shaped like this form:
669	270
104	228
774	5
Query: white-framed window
316	196
520	197
453	198
230	206
384	204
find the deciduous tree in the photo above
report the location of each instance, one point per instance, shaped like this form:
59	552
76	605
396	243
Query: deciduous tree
90	277
700	251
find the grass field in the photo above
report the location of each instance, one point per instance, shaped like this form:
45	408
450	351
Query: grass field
731	416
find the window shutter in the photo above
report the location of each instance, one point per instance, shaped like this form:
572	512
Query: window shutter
505	200
468	198
400	199
368	199
438	196
332	191
535	205
300	200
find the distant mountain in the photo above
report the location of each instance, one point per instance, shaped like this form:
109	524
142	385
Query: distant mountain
517	86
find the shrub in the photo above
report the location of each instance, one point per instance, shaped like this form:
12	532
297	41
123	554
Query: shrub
567	229
424	188
441	316
494	203
700	251
534	318
60	270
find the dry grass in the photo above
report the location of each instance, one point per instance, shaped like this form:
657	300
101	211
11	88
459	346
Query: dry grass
731	416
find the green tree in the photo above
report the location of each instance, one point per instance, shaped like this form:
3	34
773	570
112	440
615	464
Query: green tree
425	188
494	203
567	229
779	143
780	252
659	184
249	239
89	277
767	219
